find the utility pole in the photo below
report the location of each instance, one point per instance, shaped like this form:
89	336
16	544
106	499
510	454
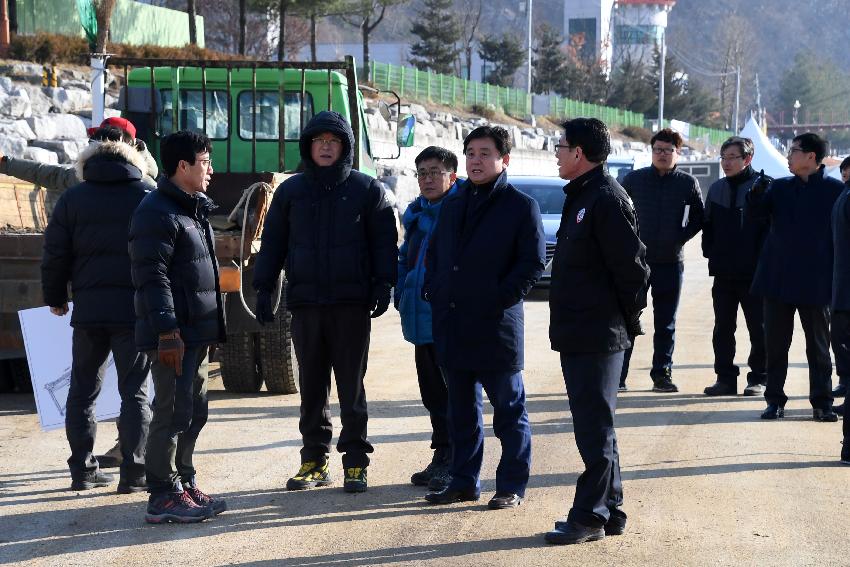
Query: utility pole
530	9
661	79
4	27
737	96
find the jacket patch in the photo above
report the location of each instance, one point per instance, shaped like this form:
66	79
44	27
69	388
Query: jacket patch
580	215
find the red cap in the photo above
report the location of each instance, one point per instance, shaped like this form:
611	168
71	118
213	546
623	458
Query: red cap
118	122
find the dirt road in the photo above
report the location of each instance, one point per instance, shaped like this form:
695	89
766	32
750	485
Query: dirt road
706	481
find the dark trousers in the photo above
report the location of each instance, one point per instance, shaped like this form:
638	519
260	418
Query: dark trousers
510	425
840	338
591	381
727	295
665	282
435	395
180	410
332	337
778	330
90	350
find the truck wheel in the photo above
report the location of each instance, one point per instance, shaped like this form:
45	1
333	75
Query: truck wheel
20	372
277	357
239	372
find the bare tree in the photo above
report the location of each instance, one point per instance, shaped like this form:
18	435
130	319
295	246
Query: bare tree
243	25
469	26
367	15
193	31
103	12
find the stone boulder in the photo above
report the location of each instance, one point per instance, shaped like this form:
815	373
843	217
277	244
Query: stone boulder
28	72
41	155
15	104
68	100
58	126
16	128
40	102
12	145
67	150
5	85
419	112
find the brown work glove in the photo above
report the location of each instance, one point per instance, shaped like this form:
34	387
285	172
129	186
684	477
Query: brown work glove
170	350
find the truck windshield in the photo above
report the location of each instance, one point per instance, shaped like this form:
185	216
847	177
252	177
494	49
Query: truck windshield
267	114
191	113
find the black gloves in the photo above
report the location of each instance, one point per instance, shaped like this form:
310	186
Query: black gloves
264	311
633	326
380	300
761	183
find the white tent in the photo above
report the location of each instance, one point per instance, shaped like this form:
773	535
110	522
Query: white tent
766	156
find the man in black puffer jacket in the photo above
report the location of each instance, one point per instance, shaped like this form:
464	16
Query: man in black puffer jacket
669	208
85	244
332	229
178	315
732	243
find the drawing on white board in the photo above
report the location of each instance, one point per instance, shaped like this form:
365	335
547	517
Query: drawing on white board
58	389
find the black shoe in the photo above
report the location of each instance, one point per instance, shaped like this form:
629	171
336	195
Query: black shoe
773	411
91	480
216	505
720	389
664	385
570	532
840	391
423	477
504	500
131	485
441	478
845	451
616	524
450	496
754	390
838	409
824	415
622	387
111	459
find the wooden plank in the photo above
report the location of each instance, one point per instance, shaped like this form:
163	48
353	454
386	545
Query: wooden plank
24	205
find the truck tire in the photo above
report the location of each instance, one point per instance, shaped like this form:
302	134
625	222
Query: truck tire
20	372
277	357
239	370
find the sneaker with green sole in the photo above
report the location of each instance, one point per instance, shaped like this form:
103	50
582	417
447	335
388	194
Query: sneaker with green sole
355	479
312	474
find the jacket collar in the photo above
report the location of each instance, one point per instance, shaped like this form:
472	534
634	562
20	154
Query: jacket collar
110	162
577	184
197	206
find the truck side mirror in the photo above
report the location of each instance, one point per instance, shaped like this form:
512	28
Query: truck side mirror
384	111
405	131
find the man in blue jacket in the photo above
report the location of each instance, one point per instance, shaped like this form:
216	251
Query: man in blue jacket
732	244
794	272
436	171
485	255
599	279
333	230
179	314
669	208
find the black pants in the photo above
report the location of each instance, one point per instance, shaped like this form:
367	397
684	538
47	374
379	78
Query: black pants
90	351
778	330
180	411
591	381
665	282
728	294
840	338
435	395
332	337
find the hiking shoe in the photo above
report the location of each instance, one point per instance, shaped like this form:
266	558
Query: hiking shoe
664	385
773	411
131	485
111	459
825	415
175	507
440	479
310	475
217	505
423	477
91	480
754	390
355	479
720	389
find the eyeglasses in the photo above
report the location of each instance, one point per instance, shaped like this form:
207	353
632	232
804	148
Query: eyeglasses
665	151
326	141
730	158
801	150
204	162
559	146
427	174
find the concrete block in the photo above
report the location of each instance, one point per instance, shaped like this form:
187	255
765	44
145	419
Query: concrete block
67	150
17	128
16	104
58	126
41	155
12	146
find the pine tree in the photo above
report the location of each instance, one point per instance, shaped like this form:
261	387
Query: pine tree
439	33
548	65
506	55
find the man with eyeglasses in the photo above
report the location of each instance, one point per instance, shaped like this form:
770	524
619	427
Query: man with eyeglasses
669	209
436	171
333	230
732	244
839	343
794	272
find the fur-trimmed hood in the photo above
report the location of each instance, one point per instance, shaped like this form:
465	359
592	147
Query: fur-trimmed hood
112	161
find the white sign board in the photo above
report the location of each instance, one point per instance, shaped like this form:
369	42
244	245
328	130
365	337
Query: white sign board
47	339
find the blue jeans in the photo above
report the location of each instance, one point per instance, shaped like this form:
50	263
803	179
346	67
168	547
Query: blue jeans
665	282
510	425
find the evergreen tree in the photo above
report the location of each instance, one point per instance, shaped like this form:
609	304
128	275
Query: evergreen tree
439	34
505	54
629	87
549	63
